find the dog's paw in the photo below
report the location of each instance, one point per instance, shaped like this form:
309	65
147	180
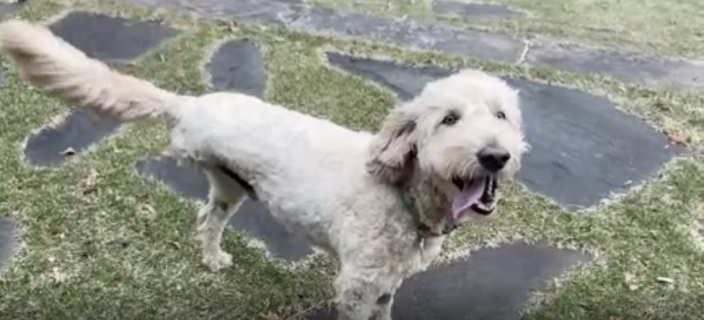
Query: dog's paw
217	261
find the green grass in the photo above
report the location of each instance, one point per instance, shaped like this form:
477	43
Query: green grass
660	26
72	264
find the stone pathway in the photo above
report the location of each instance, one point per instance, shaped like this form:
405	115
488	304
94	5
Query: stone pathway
630	67
583	149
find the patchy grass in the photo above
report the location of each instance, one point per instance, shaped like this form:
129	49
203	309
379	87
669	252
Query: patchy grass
100	242
661	26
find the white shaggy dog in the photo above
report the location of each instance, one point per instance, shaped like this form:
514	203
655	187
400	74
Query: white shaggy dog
382	202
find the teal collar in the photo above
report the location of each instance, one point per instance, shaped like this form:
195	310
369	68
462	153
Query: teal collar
423	229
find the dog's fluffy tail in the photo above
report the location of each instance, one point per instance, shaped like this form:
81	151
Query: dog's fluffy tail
47	61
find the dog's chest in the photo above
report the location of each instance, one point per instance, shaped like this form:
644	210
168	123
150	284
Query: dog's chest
415	258
428	250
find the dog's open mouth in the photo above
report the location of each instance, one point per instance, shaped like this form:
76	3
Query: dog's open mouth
476	194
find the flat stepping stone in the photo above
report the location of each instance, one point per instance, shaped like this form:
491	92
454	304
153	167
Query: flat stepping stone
102	37
253	218
472	9
582	148
238	66
53	145
8	238
491	284
111	38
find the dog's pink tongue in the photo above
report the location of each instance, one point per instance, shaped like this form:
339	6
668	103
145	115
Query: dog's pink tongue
466	198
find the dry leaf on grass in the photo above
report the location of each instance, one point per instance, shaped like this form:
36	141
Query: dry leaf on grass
147	211
68	152
677	139
176	245
55	276
665	280
91	179
630	280
87	185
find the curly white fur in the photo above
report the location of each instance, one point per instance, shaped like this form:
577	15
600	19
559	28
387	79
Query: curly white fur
336	184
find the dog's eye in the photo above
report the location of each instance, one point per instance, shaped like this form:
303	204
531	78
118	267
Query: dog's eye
501	115
450	119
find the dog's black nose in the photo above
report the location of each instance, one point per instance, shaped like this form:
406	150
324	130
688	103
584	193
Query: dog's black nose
493	158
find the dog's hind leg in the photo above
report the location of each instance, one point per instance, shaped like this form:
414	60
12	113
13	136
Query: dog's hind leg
225	197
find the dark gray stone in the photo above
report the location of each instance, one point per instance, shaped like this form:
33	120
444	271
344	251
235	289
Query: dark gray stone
472	9
239	66
628	67
354	26
9	8
185	180
582	148
110	38
78	131
405	81
418	35
8	236
252	218
492	284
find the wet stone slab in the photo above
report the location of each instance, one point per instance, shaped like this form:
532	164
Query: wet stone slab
491	284
111	38
472	9
53	145
238	65
8	236
582	148
252	218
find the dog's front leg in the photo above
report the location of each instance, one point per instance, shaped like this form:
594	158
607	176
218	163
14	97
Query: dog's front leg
355	299
363	296
382	309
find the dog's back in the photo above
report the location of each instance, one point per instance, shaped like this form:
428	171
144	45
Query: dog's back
283	154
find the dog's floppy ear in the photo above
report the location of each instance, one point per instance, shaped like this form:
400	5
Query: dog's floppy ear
393	150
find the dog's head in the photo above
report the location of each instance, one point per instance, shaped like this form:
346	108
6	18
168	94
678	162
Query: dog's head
464	132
